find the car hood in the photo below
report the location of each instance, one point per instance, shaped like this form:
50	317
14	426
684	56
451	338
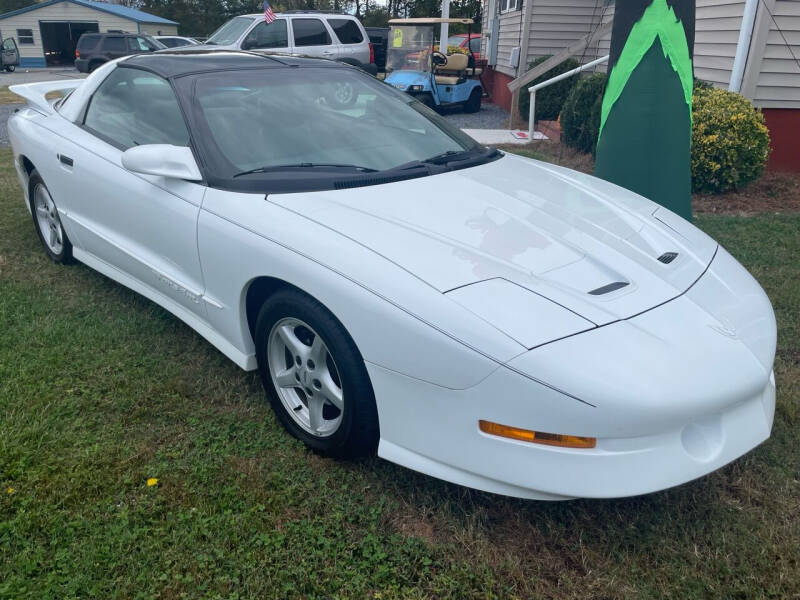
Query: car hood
587	245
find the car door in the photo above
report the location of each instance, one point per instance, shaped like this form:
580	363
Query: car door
10	53
114	46
268	38
141	225
138	45
351	39
312	38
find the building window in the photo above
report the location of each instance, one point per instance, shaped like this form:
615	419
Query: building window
510	5
25	36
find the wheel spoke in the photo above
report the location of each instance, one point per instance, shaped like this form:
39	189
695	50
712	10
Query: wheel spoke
318	352
315	418
43	212
53	236
332	391
286	378
295	346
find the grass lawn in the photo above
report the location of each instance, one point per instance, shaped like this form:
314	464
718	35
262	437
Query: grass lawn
9	97
100	390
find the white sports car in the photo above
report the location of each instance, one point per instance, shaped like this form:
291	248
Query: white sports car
491	320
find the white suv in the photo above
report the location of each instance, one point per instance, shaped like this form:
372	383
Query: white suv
336	36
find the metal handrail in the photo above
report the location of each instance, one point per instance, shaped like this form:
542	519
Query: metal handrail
557	78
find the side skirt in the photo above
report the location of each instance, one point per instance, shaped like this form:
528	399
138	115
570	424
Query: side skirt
245	361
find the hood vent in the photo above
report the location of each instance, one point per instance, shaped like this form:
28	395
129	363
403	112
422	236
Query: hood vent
607	289
667	257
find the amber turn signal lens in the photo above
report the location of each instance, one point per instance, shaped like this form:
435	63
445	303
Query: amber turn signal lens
537	437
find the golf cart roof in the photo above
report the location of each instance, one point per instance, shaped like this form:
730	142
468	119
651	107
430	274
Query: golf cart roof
428	21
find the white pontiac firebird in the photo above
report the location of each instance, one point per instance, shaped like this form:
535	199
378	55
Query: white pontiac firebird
487	319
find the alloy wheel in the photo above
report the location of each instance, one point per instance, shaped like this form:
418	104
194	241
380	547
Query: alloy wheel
47	219
305	376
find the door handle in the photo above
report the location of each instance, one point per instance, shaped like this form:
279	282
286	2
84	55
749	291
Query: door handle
66	160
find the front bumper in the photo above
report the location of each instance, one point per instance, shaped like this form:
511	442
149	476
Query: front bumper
444	441
671	395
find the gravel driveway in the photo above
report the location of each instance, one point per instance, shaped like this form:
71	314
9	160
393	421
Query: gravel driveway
490	116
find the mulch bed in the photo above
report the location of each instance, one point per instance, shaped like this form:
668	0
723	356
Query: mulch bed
772	192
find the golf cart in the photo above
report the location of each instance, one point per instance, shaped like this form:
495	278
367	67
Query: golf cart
416	66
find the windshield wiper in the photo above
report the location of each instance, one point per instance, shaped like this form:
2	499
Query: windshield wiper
308	165
451	156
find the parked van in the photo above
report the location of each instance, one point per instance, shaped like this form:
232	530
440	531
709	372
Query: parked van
325	35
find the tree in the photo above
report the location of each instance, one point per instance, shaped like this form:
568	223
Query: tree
9	5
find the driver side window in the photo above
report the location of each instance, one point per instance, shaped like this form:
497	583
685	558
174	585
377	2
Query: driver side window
267	35
132	108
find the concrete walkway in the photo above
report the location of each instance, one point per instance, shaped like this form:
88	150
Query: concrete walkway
488	126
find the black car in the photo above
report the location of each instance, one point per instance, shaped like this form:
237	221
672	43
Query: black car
94	49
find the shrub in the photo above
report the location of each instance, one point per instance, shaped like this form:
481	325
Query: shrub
549	100
580	116
730	143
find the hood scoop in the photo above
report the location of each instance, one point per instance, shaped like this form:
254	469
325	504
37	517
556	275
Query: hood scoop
607	289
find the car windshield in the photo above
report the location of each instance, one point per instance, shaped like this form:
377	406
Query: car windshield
456	40
229	32
295	125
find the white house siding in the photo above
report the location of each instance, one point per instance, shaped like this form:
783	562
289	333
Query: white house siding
778	84
716	35
556	24
62	11
509	36
158	29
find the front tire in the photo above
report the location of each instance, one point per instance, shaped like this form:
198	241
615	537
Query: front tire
11	68
315	377
47	221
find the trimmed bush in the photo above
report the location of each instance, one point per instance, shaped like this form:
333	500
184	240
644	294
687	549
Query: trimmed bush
549	100
580	116
730	142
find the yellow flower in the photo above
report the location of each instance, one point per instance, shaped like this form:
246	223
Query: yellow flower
10	490
152	481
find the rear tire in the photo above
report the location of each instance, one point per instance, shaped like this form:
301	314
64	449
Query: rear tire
94	65
473	104
47	221
315	377
11	68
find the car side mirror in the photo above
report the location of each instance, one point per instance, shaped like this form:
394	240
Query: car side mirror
164	160
247	44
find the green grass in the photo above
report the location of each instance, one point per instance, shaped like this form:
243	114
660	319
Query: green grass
101	389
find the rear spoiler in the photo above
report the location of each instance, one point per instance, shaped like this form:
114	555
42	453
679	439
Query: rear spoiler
35	93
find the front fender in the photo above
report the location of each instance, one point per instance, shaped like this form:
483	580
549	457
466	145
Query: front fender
397	321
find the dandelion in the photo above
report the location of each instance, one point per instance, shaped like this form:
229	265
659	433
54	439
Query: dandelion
152	481
10	490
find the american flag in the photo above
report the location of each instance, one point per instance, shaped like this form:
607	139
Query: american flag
269	16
